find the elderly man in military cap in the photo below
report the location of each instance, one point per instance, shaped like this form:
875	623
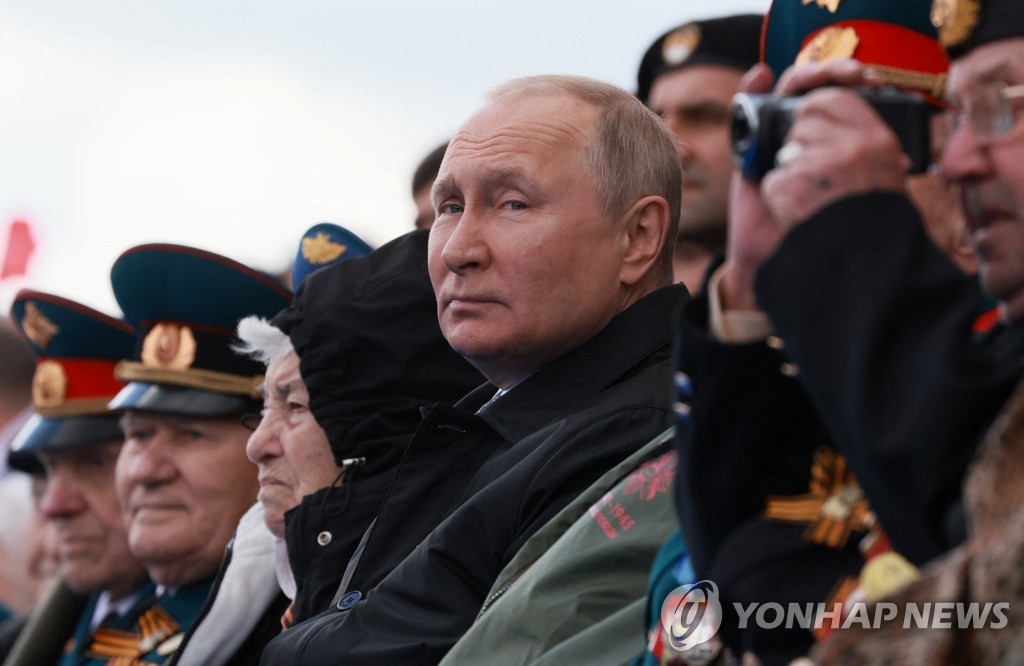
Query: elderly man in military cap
76	441
688	76
790	495
983	154
182	477
885	329
841	193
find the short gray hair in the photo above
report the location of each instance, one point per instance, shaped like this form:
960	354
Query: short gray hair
631	155
262	340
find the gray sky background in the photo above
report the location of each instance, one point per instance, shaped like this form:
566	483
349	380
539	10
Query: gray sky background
235	126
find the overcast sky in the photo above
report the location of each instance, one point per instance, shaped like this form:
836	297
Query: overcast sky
234	126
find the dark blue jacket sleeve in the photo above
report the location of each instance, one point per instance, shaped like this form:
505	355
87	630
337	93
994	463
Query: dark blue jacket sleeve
879	322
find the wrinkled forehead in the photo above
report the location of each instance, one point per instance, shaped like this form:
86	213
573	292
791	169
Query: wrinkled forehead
997	61
530	122
283	377
284	368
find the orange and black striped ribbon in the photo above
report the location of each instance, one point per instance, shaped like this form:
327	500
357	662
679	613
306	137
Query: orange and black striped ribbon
288	619
124	647
832	509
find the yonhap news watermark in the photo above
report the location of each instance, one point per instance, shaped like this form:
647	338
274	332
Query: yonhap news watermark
692	615
866	615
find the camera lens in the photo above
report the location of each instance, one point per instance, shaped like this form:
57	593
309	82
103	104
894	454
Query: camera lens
744	126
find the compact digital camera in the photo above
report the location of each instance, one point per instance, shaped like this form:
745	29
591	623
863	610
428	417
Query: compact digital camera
760	124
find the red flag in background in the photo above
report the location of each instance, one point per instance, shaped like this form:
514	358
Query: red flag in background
19	249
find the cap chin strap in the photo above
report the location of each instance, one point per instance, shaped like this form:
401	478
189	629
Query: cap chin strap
207	380
79	407
933	84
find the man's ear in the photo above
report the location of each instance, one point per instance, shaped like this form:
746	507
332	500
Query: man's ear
645	234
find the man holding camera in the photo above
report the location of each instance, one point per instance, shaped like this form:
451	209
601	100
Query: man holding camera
956	398
882	328
885	330
790	489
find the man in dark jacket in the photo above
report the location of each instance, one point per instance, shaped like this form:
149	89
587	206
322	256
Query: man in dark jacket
550	258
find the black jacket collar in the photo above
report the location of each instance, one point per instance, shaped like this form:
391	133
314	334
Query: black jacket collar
570	381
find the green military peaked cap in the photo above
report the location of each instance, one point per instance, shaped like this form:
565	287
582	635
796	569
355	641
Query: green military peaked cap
186	304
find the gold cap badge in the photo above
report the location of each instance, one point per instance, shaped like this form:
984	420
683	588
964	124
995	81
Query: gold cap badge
680	44
955	20
49	385
831	5
321	249
171	346
37	327
830	44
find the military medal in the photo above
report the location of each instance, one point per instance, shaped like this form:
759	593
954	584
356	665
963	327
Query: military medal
154	630
834	508
170	645
886	573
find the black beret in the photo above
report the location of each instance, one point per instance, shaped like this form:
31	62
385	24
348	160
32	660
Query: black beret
966	24
730	41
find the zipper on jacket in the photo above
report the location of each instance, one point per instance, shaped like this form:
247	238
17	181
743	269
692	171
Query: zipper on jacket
502	590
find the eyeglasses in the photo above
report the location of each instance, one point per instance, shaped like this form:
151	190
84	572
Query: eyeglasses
989	112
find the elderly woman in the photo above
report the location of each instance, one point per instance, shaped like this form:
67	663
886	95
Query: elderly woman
363	334
288	445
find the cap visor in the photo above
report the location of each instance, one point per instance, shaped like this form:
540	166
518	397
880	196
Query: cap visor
180	400
56	434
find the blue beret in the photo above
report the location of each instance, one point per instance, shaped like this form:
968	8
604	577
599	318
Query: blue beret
324	244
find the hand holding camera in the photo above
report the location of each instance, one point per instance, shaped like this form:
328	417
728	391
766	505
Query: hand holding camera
760	124
839	146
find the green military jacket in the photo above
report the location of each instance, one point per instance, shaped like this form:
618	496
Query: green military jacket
576	591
